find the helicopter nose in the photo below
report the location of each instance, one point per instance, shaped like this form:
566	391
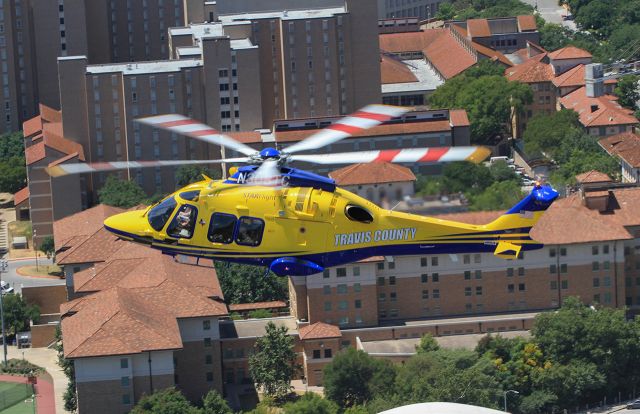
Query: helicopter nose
131	224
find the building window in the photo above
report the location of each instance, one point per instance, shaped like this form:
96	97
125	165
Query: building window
381	266
326	273
521	287
423	261
552	252
596	298
207	342
208	359
553	285
357	304
341	272
510	272
209	376
477	258
341	289
435	277
381	281
356	271
327	306
594	250
563	251
424	278
434	261
126	399
607	281
467	275
327	353
326	289
553	269
392	279
478	274
357	287
467	291
606	265
124	381
605	249
124	363
466	259
425	294
595	266
521	271
382	297
511	288
596	282
342	305
564	284
479	290
436	293
563	268
393	296
206	325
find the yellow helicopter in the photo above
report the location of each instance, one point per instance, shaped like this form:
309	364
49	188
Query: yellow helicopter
297	223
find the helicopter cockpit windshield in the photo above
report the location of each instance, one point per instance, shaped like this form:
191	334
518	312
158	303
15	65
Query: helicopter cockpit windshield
159	215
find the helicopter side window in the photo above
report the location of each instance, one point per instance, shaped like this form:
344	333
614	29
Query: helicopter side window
221	228
357	213
184	222
159	215
190	195
250	231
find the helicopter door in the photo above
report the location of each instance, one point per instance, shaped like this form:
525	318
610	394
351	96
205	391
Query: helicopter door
184	222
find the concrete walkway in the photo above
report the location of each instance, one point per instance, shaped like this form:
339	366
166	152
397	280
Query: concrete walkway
47	359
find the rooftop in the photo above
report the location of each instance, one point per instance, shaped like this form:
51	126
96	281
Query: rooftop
253	328
426	78
597	111
569	52
140	68
533	70
593	176
574	77
284	15
319	330
239	307
626	146
80	225
372	173
21	196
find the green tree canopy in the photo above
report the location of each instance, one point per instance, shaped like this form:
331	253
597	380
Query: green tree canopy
487	100
353	377
168	401
310	403
121	193
548	133
446	11
627	91
47	246
213	403
17	313
248	284
500	195
427	344
13	171
187	174
273	362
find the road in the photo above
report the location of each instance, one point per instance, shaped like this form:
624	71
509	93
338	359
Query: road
17	281
551	12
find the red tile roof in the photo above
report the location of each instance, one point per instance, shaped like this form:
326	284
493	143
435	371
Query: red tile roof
21	196
319	330
372	173
491	54
593	176
380	130
574	77
239	307
34	153
625	146
569	52
32	126
393	71
82	224
533	70
478	28
527	23
458	118
599	111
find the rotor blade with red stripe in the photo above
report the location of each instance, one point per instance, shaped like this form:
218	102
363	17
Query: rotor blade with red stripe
80	168
367	117
408	155
186	126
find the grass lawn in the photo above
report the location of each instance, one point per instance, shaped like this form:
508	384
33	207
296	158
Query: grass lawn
41	270
14	395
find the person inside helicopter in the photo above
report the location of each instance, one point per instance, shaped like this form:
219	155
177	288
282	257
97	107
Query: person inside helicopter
184	222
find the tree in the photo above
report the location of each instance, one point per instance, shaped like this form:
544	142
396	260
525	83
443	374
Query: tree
488	101
248	284
547	133
466	177
168	401
595	15
353	377
627	91
310	403
577	333
484	67
500	171
500	195
18	314
213	403
427	344
356	409
47	246
121	193
11	145
273	362
13	174
446	11
187	174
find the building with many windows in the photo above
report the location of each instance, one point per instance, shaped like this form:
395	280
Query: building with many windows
422	9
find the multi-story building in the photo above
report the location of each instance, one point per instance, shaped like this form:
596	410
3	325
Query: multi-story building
422	9
505	34
625	148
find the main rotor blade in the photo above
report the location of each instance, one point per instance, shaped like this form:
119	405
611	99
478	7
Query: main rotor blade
365	118
435	154
268	174
186	126
79	168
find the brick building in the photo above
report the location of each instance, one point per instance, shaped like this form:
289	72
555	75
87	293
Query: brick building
625	148
505	34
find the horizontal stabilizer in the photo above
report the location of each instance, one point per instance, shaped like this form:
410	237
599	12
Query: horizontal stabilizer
507	250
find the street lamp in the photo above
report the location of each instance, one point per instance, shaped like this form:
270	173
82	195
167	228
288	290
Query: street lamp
35	234
505	397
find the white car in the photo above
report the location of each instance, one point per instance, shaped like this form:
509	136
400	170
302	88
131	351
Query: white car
5	287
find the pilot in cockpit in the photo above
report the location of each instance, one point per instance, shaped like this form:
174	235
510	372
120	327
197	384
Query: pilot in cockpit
183	219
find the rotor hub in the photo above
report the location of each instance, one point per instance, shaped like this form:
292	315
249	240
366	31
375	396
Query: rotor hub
269	153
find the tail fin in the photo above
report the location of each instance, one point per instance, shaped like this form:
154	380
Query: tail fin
517	222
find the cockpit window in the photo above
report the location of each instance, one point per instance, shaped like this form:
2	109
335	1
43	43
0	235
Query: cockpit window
159	215
184	222
221	228
250	231
190	195
357	213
